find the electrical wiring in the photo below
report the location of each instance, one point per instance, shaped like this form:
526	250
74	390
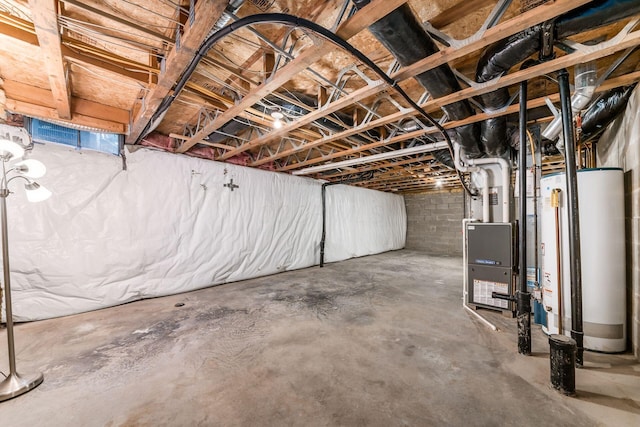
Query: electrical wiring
317	30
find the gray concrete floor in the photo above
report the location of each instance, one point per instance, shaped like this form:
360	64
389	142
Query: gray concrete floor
376	341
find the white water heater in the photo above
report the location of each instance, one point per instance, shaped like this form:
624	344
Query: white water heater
602	246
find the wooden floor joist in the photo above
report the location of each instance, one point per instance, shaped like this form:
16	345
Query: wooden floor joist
45	20
362	19
206	14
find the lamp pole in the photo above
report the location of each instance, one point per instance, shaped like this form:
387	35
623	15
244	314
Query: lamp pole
14	384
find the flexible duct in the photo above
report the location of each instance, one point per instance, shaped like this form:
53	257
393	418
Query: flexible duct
603	111
597	117
500	57
404	36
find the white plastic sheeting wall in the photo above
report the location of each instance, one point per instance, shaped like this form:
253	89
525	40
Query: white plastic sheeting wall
167	225
362	222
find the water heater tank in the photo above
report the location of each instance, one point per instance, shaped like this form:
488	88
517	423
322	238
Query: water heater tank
602	246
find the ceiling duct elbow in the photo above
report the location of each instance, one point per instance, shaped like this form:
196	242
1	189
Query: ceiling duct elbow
405	37
585	86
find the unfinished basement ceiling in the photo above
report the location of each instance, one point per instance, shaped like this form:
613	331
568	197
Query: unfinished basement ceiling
109	65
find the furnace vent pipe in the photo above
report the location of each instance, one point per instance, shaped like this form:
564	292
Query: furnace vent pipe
486	213
585	86
505	173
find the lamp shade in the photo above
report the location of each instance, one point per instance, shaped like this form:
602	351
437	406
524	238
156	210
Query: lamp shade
31	168
9	149
36	192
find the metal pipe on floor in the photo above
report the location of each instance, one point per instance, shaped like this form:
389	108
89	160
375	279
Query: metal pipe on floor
523	297
574	221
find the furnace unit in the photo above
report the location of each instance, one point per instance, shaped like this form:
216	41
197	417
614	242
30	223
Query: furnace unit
490	264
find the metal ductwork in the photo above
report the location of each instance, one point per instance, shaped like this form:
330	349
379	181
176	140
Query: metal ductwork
405	37
503	55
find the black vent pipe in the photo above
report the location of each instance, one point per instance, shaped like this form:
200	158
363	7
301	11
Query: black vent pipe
501	56
571	178
405	37
523	297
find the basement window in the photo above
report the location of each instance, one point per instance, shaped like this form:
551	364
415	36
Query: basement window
42	131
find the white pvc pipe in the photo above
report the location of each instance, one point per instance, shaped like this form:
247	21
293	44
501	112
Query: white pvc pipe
465	276
506	179
486	211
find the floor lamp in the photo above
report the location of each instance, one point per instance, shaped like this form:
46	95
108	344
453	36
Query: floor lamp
15	384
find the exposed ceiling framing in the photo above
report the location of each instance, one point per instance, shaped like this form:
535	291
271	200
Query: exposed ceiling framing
110	64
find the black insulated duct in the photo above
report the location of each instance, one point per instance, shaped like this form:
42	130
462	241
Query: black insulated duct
604	111
404	36
503	55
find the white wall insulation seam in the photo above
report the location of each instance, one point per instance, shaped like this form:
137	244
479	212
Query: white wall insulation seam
168	225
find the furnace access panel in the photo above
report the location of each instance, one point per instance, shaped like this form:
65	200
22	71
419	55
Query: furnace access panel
490	264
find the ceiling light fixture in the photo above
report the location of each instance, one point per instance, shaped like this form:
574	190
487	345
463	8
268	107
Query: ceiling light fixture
15	384
277	119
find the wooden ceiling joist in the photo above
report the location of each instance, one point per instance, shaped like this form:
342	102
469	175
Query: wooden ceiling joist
207	13
594	52
506	29
37	102
76	51
120	20
501	31
45	20
358	22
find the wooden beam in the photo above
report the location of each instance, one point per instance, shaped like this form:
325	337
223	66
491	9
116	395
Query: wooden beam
494	34
120	20
52	114
508	28
361	20
78	51
268	64
592	53
27	99
457	11
307	118
18	34
45	19
207	13
512	109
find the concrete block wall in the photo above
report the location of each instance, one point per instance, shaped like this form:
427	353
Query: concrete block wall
619	146
434	223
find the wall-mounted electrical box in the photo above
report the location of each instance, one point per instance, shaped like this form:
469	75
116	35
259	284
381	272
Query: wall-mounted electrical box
489	264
